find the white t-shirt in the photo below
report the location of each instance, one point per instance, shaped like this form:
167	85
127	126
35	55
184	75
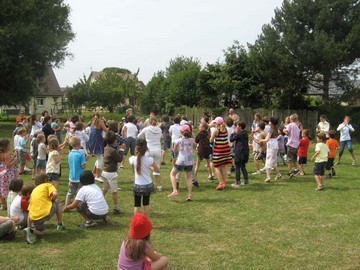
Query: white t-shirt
94	198
175	131
41	151
144	178
84	138
229	131
16	140
131	130
15	209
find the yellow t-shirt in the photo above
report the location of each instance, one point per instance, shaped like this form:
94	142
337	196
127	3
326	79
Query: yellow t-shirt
324	151
40	201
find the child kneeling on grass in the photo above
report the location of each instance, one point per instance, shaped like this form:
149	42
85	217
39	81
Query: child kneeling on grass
43	206
89	201
136	252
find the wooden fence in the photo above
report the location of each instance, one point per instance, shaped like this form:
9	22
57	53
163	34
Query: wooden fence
309	119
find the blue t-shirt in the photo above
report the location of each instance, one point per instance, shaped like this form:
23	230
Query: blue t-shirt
21	144
75	160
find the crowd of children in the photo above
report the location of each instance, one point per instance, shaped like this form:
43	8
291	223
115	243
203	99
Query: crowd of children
220	142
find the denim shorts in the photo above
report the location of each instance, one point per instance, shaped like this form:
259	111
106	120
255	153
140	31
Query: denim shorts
40	164
319	168
187	168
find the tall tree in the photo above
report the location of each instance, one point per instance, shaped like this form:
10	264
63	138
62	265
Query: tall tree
33	36
320	37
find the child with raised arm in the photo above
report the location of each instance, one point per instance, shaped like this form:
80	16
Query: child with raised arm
136	252
184	161
320	157
143	186
43	206
333	145
77	162
345	139
112	156
303	150
89	201
241	139
54	161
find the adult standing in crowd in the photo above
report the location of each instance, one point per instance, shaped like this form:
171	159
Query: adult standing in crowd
234	116
323	126
47	129
96	143
345	139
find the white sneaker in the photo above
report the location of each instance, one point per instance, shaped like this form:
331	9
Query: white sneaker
353	162
27	169
257	172
99	179
234	185
159	188
267	180
278	176
263	169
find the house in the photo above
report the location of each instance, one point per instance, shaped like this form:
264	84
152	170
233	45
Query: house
49	97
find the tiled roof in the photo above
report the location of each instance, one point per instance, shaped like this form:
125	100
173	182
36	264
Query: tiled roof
49	85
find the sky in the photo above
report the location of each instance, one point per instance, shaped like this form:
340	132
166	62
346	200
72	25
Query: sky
147	34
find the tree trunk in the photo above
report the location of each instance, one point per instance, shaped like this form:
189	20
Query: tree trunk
326	82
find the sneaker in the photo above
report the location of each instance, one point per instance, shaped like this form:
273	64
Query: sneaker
333	173
159	188
353	162
296	171
60	226
235	185
28	235
319	188
278	176
116	212
263	169
267	180
211	178
87	224
99	179
195	183
257	172
336	163
244	183
27	169
172	194
189	198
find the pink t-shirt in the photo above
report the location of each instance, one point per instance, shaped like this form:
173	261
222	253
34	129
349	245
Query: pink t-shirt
186	156
293	135
125	263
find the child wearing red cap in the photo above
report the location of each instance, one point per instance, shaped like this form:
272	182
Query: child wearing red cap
136	252
185	160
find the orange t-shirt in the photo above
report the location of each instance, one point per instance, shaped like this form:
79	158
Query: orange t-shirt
333	145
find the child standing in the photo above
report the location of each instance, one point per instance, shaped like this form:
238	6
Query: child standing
293	132
77	162
43	206
143	185
303	150
259	148
136	252
8	171
320	157
185	160
21	149
281	143
112	156
204	148
42	151
345	139
53	163
89	201
84	138
34	151
241	139
333	145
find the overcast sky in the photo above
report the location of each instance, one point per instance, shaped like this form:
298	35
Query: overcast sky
146	34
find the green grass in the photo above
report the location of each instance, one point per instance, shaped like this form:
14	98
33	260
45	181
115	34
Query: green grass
282	225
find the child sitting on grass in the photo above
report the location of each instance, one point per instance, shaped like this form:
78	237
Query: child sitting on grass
89	201
43	206
320	157
7	228
136	252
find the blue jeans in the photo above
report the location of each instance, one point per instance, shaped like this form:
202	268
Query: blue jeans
342	147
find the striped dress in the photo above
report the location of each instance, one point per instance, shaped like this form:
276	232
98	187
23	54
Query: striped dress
221	151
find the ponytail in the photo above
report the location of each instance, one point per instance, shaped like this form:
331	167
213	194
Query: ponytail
141	148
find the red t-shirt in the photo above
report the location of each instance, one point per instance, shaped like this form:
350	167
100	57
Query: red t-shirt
303	147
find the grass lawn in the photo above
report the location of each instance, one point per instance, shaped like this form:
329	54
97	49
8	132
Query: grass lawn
282	225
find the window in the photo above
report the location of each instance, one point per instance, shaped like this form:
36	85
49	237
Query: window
40	101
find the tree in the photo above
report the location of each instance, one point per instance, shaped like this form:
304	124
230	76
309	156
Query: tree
320	37
33	36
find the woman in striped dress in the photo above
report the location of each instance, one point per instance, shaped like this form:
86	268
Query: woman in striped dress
221	152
